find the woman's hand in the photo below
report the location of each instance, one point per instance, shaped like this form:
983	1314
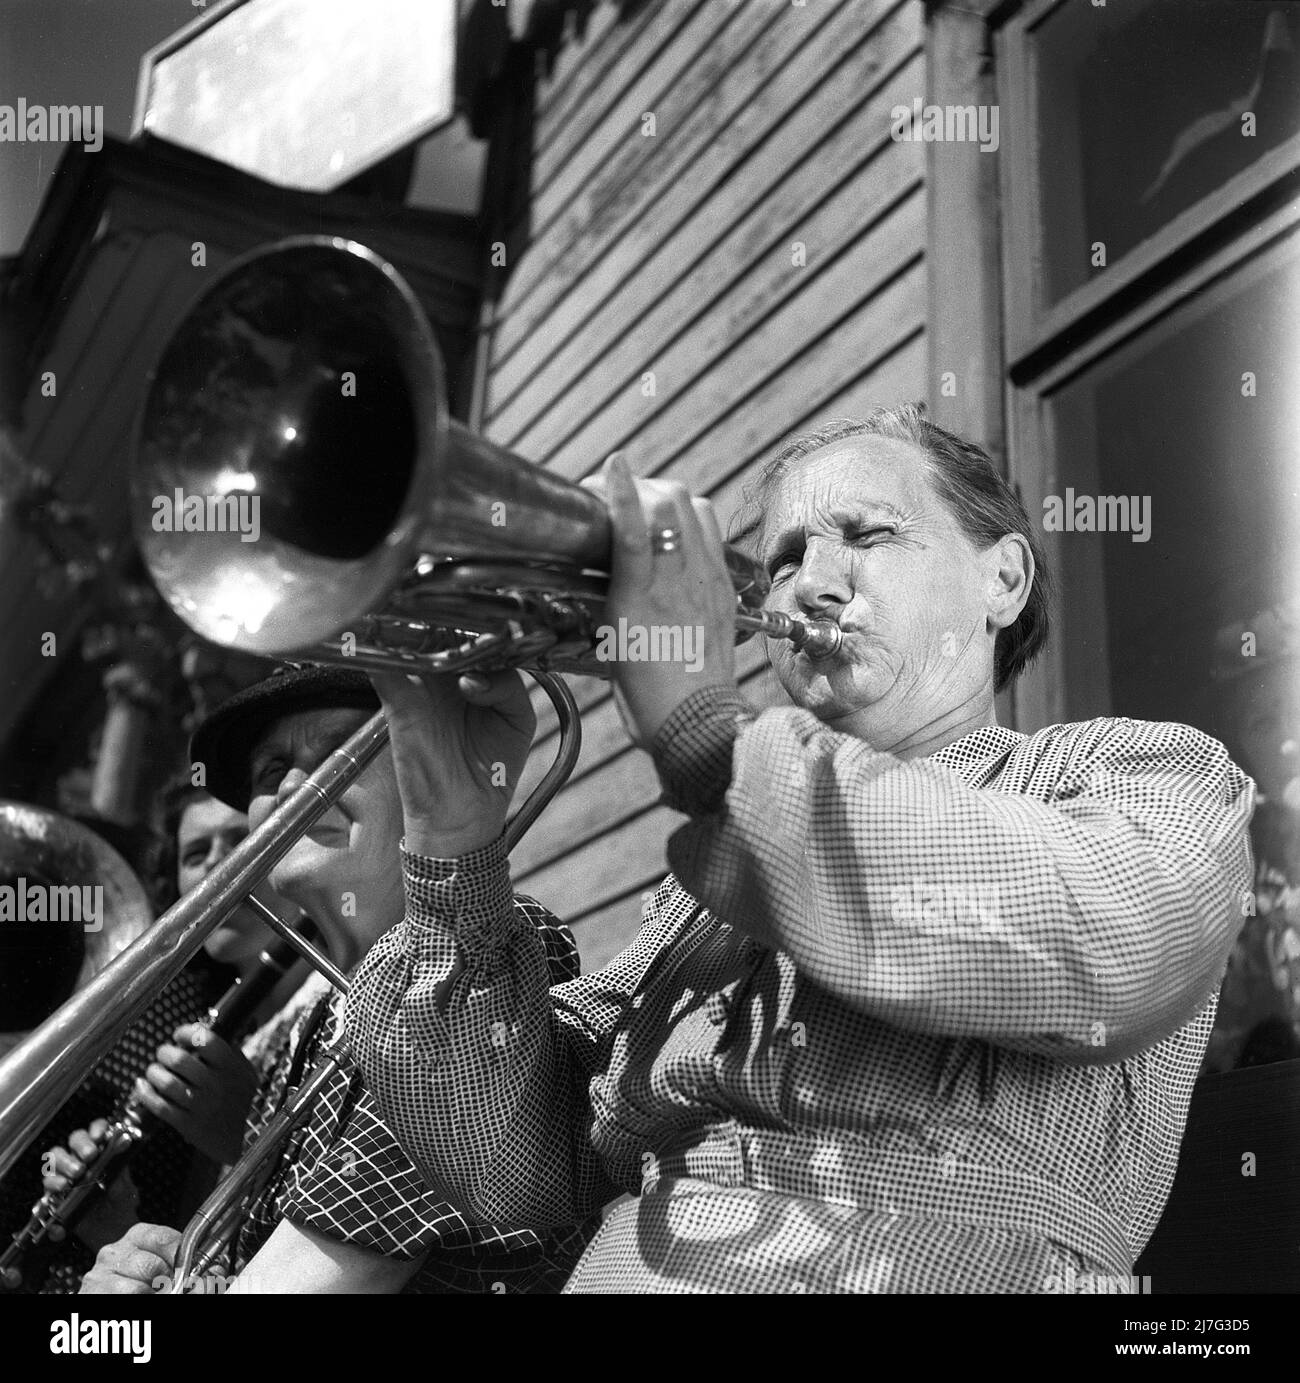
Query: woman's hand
459	746
686	590
202	1087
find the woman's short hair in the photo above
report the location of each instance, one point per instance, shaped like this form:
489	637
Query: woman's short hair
965	479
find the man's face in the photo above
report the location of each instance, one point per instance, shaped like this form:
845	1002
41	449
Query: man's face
206	833
345	873
854	532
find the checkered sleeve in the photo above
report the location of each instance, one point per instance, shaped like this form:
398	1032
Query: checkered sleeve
364	1191
693	748
1084	917
451	1019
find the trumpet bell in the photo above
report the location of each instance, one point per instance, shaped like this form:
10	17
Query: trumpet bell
299	490
295	467
275	470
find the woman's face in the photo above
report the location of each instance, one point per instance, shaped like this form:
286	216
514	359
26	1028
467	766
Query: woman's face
206	833
854	532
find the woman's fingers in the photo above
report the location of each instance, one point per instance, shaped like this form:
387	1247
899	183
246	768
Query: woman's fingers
82	1145
211	1053
60	1168
627	515
170	1087
707	519
184	1065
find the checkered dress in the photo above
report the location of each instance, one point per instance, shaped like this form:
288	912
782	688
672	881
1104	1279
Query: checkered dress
343	1174
890	1026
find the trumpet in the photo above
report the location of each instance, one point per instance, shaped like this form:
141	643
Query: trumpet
299	489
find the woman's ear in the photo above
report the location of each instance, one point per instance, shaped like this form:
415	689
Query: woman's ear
1011	577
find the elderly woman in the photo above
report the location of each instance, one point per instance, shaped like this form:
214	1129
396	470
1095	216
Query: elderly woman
921	1004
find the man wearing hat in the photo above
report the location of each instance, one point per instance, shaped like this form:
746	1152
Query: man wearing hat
344	1210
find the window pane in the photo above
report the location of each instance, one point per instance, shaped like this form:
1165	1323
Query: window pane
1141	112
1198	619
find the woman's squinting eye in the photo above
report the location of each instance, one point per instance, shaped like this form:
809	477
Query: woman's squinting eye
780	565
866	535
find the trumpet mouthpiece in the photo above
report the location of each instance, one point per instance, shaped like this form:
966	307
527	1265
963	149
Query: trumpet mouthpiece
822	638
818	638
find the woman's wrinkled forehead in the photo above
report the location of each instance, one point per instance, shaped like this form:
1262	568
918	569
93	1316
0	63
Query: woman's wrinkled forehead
862	473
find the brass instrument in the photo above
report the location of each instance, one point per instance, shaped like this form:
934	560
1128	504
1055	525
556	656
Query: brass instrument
43	846
303	396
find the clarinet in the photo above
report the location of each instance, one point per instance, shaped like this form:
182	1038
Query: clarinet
57	1212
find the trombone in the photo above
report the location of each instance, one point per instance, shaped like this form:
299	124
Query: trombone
299	415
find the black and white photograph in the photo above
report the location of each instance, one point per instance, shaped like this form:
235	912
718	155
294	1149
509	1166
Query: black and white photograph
651	647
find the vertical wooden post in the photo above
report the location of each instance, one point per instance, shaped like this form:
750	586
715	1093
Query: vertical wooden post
964	237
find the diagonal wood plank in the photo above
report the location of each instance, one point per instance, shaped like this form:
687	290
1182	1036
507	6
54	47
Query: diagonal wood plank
683	170
590	347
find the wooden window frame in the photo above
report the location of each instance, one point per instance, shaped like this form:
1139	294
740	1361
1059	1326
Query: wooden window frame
1032	327
1018	353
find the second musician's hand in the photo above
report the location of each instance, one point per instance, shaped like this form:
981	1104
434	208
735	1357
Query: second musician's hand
202	1086
459	746
107	1216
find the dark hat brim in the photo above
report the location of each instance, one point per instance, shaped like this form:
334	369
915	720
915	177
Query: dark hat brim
224	743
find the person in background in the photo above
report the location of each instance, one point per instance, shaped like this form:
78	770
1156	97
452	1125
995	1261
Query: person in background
199	1087
170	1172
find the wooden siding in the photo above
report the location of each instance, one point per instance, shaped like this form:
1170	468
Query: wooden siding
674	253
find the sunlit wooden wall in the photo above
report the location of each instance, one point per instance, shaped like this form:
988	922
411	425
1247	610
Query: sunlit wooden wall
759	249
